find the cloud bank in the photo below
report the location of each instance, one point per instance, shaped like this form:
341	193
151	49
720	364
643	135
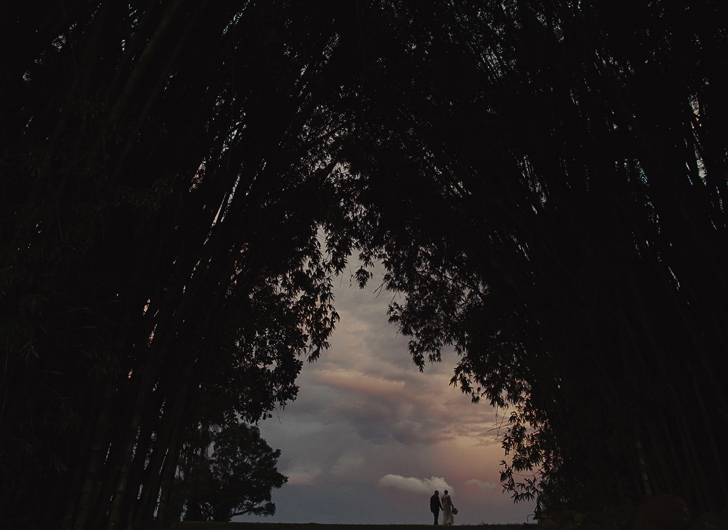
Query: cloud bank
415	485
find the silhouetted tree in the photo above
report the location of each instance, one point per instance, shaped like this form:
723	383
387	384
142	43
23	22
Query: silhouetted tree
236	479
557	178
168	176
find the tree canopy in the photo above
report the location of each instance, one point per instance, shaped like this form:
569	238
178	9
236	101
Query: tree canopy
166	171
567	234
236	479
544	180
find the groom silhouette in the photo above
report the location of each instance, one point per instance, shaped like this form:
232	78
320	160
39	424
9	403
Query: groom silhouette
435	505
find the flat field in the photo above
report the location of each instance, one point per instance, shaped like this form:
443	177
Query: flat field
315	526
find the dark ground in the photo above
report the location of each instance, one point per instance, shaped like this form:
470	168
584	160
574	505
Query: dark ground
314	526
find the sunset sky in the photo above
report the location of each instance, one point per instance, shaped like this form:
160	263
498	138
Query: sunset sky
370	437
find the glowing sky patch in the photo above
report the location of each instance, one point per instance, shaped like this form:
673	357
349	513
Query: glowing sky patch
370	437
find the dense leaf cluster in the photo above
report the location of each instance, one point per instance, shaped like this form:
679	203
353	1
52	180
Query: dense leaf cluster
543	179
166	168
557	177
235	480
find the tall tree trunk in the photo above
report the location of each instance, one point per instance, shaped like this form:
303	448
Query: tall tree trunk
166	445
79	507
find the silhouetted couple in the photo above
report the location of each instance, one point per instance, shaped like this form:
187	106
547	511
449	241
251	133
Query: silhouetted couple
444	504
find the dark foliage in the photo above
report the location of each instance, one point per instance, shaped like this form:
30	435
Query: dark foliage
237	479
166	169
547	184
544	180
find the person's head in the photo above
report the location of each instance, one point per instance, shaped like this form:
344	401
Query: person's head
445	492
437	492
